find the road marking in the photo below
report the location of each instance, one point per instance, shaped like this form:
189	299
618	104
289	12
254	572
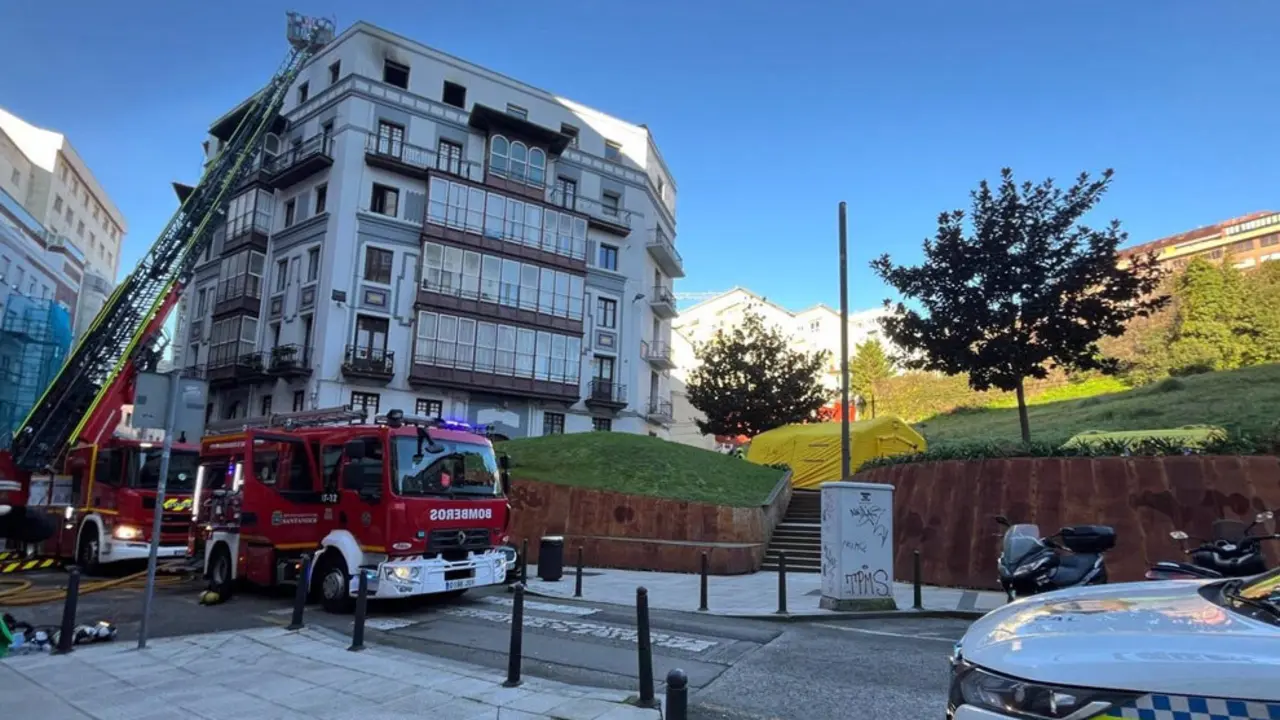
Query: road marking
281	611
577	610
387	624
575	627
884	633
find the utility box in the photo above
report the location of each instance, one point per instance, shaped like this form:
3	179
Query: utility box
857	546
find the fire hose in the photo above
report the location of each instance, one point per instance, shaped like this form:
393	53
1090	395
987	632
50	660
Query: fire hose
22	593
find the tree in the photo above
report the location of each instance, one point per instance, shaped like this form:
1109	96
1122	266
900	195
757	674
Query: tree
870	365
1213	329
1024	289
749	380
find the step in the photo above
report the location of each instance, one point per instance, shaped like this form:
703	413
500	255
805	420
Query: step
802	558
797	535
816	527
801	543
768	566
803	519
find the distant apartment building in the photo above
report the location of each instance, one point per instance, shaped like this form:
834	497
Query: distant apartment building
1246	241
42	170
426	234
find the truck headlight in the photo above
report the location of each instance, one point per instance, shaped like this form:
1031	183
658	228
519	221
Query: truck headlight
403	573
126	532
1036	701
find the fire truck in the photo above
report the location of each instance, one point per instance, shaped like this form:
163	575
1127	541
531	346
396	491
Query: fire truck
417	504
66	458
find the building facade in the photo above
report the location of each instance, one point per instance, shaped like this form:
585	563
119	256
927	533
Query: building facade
1246	242
42	170
425	234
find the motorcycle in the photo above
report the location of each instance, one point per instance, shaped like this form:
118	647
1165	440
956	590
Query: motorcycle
1031	564
1232	552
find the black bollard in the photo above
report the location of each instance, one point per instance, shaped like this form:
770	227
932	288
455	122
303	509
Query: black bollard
782	583
300	593
524	561
917	600
677	696
67	634
577	582
362	605
517	639
646	650
702	597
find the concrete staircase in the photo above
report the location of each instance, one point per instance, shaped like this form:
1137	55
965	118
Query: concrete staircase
799	535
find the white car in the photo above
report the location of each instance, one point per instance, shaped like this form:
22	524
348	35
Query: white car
1175	650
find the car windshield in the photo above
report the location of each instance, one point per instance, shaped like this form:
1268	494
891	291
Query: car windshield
182	470
457	469
1020	541
1265	587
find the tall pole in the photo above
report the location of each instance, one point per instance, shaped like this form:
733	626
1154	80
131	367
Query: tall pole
170	419
844	344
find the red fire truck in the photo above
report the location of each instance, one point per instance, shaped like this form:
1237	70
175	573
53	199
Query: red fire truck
418	503
65	458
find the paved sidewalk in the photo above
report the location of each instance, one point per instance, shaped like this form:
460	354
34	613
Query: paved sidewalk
274	674
754	595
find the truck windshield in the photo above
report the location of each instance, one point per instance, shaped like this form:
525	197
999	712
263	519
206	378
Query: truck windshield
182	470
460	469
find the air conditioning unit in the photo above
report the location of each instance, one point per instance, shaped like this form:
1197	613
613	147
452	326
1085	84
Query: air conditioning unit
271	144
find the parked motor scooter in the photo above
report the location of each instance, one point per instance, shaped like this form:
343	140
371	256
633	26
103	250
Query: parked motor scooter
1233	552
1030	564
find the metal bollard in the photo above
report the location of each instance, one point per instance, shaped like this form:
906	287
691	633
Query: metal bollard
67	633
677	696
702	596
524	561
517	639
647	699
917	601
300	594
362	606
577	582
782	583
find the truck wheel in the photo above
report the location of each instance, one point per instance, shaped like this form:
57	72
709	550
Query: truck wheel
335	581
88	550
220	579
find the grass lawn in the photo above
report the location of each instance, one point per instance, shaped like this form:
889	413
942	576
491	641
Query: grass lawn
641	465
1244	399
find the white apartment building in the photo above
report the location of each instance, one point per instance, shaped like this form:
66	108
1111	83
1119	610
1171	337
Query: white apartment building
433	236
42	170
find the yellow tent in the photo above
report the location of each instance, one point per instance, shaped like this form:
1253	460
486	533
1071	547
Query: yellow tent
813	451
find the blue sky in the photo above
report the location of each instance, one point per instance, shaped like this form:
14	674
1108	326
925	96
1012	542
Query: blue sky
769	113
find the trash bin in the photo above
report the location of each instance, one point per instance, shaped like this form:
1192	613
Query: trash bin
551	558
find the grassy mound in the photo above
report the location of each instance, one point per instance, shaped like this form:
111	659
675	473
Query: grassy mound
641	465
1243	399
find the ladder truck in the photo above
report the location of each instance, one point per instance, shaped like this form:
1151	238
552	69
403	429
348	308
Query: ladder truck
65	458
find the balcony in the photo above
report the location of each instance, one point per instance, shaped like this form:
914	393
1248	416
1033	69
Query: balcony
194	372
300	162
290	361
368	363
663	302
434	370
417	162
239	370
606	394
238	294
502	301
660	411
657	354
250	229
600	216
664	253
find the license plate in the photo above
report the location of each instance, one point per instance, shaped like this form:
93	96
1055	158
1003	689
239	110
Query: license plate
459	584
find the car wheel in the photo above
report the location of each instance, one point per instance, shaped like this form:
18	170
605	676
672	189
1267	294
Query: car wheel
221	580
89	550
335	584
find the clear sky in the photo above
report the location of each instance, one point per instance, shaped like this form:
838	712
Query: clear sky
768	113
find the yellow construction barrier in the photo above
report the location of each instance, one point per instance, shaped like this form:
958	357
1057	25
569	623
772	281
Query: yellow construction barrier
17	565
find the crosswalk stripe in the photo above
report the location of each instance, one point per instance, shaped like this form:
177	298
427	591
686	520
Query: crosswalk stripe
578	627
577	610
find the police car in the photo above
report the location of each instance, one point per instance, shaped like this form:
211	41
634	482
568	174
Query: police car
1177	650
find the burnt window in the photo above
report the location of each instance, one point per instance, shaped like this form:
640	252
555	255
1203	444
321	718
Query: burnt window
454	94
571	132
290	212
393	73
335	72
377	265
322	198
304	91
385	200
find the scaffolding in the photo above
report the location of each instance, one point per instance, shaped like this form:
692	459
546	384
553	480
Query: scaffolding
35	337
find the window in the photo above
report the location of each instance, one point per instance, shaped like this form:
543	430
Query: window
290	211
602	368
231	338
390	138
516	161
365	401
428	408
608	257
266	406
240	275
610	201
307	323
70	216
566	193
322	198
496	216
62	171
607	313
571	132
1269	240
552	423
371	332
612	151
80	228
449	157
15	177
202	298
385	200
1241	246
377	265
282	274
455	95
517	111
313	264
602	424
393	73
486	347
57	203
335	71
662	188
303	90
299	400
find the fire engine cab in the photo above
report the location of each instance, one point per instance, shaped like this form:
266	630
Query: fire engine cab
418	504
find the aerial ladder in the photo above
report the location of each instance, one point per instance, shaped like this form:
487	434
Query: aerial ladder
74	421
